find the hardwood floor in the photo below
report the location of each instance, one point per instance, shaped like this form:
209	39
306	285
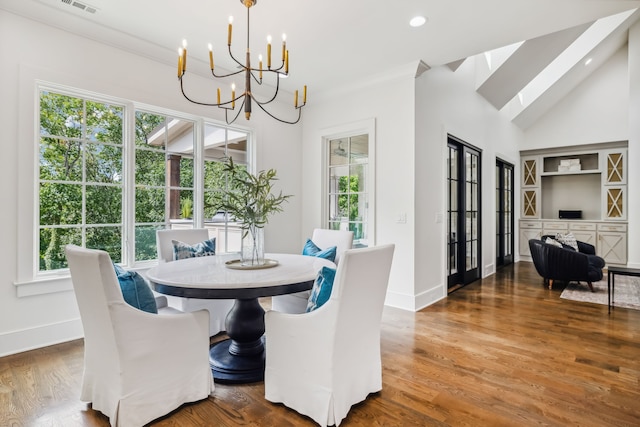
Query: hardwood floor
504	351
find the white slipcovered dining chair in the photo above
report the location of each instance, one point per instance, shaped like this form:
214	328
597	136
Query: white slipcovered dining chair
322	362
218	308
322	238
138	366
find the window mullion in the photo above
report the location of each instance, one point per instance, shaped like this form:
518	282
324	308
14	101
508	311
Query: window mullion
129	184
198	175
83	144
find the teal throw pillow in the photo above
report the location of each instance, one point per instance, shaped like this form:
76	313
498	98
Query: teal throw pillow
183	250
312	249
322	287
135	290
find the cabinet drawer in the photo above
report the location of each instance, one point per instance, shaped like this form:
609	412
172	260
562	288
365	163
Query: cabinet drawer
612	227
582	226
556	226
530	224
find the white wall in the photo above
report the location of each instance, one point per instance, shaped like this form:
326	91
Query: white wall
595	111
33	51
447	103
412	119
390	104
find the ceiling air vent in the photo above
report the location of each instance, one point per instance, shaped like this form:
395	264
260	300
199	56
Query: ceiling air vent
80	5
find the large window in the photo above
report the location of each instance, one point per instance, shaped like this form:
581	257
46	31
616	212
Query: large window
348	186
164	172
81	191
111	174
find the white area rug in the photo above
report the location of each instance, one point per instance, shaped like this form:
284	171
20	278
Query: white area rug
627	292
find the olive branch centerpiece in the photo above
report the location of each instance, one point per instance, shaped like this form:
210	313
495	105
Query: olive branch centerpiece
250	201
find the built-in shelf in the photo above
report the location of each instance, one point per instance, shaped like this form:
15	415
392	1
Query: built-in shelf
586	172
590	178
588	163
571	192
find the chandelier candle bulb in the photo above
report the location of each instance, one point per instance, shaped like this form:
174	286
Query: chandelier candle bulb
184	56
286	62
230	25
218	96
269	52
284	45
179	63
211	56
304	95
260	59
295	99
233	96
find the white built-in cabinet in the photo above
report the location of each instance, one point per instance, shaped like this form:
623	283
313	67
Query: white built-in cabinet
608	238
528	230
612	243
592	179
530	187
614	181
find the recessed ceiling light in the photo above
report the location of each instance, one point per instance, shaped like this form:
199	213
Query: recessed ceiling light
417	21
588	61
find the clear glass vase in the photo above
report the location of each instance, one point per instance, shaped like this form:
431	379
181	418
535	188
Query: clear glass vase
253	247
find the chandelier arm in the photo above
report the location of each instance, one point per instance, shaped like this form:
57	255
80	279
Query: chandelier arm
255	79
207	104
193	101
256	70
274	117
226	75
226	113
275	95
235	59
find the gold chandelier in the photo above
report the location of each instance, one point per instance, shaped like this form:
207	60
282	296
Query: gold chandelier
246	98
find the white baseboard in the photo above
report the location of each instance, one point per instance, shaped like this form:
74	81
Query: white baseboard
426	298
40	336
414	302
397	300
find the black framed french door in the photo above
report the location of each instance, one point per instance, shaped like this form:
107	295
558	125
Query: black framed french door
464	220
504	213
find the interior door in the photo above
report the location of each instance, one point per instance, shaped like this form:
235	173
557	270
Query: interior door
464	222
504	213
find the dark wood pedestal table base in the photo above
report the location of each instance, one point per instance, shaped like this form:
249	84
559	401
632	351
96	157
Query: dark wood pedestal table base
611	280
240	359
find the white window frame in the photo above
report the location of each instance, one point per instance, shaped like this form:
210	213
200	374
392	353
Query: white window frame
32	281
362	127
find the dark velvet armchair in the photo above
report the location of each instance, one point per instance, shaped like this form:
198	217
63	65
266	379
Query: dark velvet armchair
565	263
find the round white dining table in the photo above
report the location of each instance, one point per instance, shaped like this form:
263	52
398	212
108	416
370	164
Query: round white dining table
240	359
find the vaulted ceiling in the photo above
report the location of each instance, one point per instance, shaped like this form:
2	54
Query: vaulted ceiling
536	49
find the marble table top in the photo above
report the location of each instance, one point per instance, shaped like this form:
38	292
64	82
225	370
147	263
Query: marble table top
210	277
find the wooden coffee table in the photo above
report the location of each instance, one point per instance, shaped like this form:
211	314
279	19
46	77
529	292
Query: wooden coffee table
611	280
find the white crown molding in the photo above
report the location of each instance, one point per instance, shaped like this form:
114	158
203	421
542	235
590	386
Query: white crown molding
411	70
